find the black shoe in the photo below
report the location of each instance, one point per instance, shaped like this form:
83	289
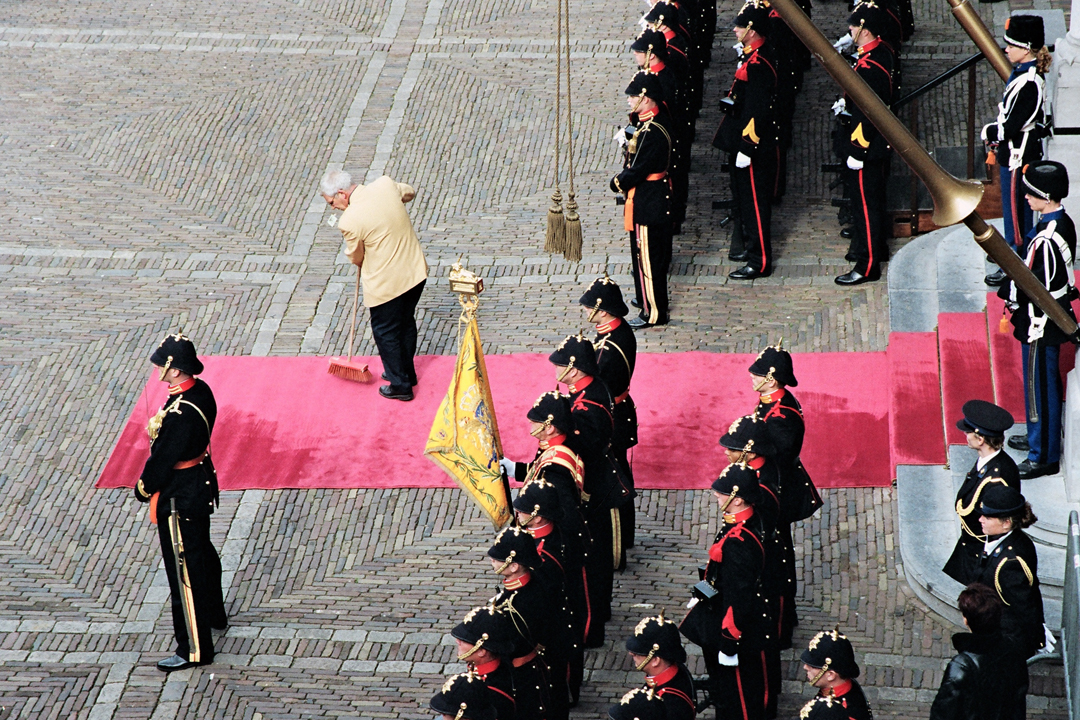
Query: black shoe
174	663
390	393
996	279
856	278
1019	442
742	256
1029	469
638	323
747	273
415	382
847	233
636	303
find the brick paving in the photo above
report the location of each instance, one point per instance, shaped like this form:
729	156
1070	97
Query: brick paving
158	170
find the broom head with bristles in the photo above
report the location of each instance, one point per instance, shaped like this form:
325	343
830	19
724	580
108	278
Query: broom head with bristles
572	249
349	370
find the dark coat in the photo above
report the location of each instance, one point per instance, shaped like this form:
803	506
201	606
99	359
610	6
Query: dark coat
616	354
736	561
1045	254
874	64
593	410
783	418
963	565
1013	570
649	153
677	693
750	121
984	681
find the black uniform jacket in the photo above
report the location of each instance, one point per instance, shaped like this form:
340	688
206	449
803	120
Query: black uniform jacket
648	155
750	122
982	682
500	683
963	565
537	619
675	686
616	354
187	420
560	466
853	701
1020	110
1012	569
874	64
783	418
1049	253
736	561
774	577
593	411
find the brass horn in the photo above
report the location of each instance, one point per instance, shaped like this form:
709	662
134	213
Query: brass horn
954	200
976	29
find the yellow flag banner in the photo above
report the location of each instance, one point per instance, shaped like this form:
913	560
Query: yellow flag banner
464	439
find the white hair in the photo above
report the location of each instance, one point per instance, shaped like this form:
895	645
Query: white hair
334	182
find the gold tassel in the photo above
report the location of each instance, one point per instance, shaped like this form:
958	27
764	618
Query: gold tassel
556	225
572	249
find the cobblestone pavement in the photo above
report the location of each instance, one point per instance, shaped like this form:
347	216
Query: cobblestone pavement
158	169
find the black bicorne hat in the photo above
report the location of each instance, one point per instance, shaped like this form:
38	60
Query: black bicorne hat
985	418
651	41
539	498
1047	179
831	650
638	704
464	697
748	434
646	84
1025	31
177	351
604	294
754	16
487	627
513	544
871	17
577	351
775	362
553	408
1000	500
739	480
657	636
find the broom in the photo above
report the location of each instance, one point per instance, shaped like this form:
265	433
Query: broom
347	369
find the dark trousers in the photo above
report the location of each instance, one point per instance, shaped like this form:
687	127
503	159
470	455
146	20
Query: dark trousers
203	586
868	245
752	189
601	570
1042	401
626	510
650	253
393	325
740	692
1015	211
789	618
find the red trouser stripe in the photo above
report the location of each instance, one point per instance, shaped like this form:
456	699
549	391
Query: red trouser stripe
757	214
765	674
1015	218
742	696
588	605
866	219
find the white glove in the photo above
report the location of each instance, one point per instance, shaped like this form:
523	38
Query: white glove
690	605
854	164
1036	328
738	48
509	467
620	137
1016	159
839	106
844	42
1051	642
728	660
982	135
742	161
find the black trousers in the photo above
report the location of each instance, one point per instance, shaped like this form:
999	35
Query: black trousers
650	253
600	567
202	586
868	245
752	189
626	510
789	618
393	325
740	692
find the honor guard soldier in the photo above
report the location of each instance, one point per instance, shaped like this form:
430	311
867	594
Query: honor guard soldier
180	483
865	150
650	55
638	704
646	190
526	602
727	615
829	663
1015	137
592	409
656	649
485	643
1049	252
616	357
984	424
747	133
463	697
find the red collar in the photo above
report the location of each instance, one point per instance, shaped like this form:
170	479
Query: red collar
741	516
605	328
582	383
656	66
517	584
756	463
648	114
541	532
842	689
556	440
182	387
668	34
488	667
869	46
747	49
773	396
662	678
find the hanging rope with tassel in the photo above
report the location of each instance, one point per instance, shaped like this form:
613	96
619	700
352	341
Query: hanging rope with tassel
555	240
563	227
573	220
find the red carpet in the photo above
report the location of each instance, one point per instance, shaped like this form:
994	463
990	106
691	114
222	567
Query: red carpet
286	423
915	423
965	366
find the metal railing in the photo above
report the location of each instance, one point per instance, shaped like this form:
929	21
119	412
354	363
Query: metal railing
1070	618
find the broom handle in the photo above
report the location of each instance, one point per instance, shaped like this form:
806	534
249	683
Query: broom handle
355	302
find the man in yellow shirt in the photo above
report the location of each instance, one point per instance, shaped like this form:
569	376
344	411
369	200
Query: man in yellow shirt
381	242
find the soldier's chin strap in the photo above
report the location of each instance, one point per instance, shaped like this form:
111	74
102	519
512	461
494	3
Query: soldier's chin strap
734	492
461	712
821	673
594	310
566	371
165	368
506	563
537	432
479	644
652	653
765	379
